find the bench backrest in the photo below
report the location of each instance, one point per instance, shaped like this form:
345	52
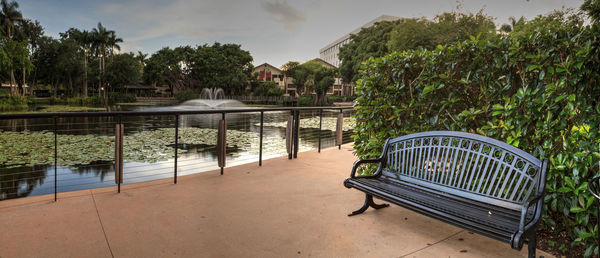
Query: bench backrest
466	165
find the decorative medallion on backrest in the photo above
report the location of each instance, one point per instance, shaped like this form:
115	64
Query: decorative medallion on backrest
464	164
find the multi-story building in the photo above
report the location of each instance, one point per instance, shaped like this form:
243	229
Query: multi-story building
330	52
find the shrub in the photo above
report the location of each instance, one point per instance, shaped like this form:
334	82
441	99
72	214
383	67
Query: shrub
13	103
186	95
305	101
117	97
538	92
334	98
268	88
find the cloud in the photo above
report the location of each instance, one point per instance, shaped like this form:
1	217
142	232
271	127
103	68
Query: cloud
202	21
283	12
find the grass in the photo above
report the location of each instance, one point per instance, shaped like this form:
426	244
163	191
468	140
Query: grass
56	108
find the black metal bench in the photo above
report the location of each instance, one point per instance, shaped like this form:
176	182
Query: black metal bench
468	180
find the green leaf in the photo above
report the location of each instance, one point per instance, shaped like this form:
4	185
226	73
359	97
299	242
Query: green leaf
559	98
427	90
577	209
564	190
497	107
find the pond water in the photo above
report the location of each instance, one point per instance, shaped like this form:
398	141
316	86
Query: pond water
85	157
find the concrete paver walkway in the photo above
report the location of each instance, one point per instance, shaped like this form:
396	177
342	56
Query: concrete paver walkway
285	208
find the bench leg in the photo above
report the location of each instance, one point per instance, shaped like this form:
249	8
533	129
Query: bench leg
531	245
368	203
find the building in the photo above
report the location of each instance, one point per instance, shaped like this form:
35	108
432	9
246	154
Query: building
330	52
8	89
268	72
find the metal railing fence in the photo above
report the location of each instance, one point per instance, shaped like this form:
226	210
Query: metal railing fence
60	139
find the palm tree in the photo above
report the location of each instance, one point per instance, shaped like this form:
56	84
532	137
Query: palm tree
84	40
141	57
9	15
100	37
113	42
103	40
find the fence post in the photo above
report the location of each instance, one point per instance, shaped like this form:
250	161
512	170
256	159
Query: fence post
55	155
296	133
119	154
176	147
222	143
261	139
288	135
320	126
338	129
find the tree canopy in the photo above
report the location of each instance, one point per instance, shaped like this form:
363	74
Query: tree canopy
411	33
312	75
225	66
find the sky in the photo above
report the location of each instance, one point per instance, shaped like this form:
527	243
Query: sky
273	31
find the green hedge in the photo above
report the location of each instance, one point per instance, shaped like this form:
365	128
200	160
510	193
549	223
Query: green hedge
186	95
305	101
113	98
334	98
267	88
539	92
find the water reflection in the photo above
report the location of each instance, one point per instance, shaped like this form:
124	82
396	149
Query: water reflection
20	182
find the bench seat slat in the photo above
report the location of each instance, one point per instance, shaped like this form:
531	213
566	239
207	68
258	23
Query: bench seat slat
501	224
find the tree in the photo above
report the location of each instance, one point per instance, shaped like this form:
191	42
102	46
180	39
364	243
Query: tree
31	32
141	57
324	79
104	42
314	75
170	67
288	72
506	28
14	55
288	68
369	42
411	33
47	61
592	8
450	27
554	21
9	15
85	40
224	66
68	65
122	70
113	43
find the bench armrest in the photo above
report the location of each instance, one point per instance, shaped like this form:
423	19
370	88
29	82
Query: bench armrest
363	161
380	160
523	225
